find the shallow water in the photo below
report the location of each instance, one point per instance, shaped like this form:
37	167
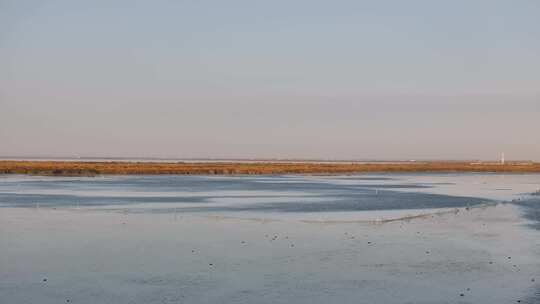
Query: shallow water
265	196
270	239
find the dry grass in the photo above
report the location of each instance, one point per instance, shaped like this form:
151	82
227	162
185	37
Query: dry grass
121	168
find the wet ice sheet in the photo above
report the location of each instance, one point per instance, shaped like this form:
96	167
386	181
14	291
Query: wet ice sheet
96	257
325	198
293	239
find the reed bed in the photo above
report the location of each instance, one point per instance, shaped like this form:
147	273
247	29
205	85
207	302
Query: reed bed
72	168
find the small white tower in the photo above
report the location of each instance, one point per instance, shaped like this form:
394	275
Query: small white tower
502	158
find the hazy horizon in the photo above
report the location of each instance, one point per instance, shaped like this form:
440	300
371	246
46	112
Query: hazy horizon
391	80
203	159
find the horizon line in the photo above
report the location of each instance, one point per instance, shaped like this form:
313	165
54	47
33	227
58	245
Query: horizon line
247	159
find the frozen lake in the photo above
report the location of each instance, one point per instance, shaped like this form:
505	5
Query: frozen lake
385	238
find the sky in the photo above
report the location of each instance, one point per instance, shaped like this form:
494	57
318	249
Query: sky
270	79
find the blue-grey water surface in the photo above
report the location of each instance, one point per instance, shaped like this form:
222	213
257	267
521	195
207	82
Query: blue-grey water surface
270	239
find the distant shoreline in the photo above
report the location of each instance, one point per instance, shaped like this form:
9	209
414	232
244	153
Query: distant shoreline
87	168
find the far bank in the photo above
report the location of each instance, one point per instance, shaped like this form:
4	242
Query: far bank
70	168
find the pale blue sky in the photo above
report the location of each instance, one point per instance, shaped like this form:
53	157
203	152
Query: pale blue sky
298	79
